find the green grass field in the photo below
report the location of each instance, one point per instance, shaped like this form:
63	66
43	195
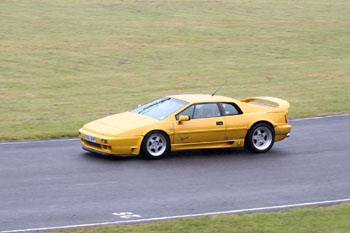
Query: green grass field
334	219
64	63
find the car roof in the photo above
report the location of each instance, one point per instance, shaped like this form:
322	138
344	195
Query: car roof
199	98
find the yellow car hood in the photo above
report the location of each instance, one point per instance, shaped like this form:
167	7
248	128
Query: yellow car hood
119	123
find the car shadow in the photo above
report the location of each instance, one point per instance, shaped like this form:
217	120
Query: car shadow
235	153
97	156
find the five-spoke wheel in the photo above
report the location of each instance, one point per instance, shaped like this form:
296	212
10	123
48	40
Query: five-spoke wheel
260	138
155	145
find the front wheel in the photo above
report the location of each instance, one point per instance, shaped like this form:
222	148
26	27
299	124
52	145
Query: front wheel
260	138
156	145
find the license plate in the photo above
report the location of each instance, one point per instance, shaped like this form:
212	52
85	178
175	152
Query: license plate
89	138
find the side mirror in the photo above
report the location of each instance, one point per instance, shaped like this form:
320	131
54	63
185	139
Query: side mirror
183	118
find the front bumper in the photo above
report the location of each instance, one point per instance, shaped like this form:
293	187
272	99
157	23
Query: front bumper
112	145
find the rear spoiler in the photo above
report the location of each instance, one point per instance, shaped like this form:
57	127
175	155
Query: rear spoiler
282	105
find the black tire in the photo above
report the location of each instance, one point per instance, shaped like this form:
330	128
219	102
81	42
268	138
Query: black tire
155	145
260	138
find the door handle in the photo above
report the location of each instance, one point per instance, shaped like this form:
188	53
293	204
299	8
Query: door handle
219	123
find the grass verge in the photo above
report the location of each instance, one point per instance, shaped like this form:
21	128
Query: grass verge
64	63
309	220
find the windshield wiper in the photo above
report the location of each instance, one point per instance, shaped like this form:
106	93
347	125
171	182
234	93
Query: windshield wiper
152	105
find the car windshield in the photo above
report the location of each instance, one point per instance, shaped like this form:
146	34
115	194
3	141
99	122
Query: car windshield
160	108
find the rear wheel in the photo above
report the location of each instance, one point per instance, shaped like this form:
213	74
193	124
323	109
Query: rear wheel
156	145
260	138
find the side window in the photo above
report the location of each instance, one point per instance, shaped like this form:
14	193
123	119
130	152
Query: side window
229	109
206	110
187	112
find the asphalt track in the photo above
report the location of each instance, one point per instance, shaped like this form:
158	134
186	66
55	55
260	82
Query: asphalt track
54	184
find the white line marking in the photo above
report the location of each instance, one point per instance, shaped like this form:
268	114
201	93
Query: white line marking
75	139
183	216
40	141
127	215
320	117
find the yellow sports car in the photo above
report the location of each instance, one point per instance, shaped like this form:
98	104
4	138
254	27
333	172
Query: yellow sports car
183	122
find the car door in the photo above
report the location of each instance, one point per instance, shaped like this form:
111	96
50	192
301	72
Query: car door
236	122
206	124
